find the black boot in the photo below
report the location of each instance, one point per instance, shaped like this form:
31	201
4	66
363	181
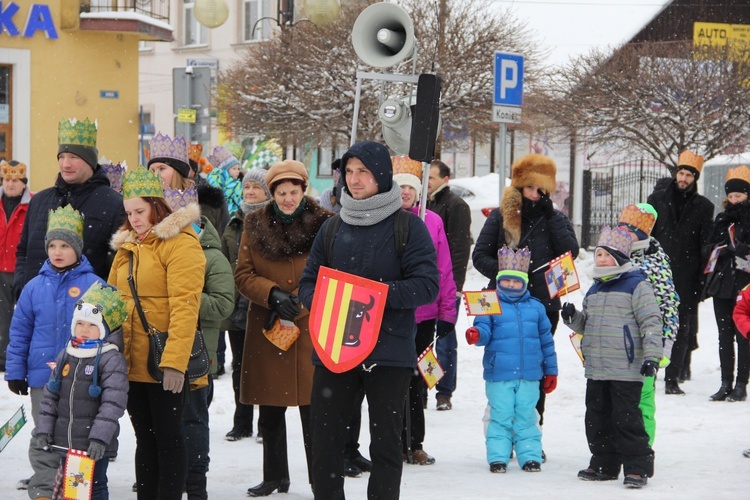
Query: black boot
671	387
195	487
722	393
267	487
738	394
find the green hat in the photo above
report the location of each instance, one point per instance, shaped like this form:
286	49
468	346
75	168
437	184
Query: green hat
102	305
79	138
65	224
141	183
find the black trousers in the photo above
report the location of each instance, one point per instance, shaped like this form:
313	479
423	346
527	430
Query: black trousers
418	391
682	343
615	430
160	450
243	414
272	424
333	396
554	318
728	335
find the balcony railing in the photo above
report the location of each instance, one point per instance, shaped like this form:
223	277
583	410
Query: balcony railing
156	9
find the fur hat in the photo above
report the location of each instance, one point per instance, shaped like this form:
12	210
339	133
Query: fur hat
690	161
374	156
617	242
286	170
258	176
78	137
534	169
738	180
65	224
409	180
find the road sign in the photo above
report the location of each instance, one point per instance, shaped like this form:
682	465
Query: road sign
186	115
506	114
508	79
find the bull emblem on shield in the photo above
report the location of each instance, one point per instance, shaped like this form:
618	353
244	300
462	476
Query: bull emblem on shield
358	312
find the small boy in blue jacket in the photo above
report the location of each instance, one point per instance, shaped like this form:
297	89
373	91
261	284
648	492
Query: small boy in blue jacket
519	352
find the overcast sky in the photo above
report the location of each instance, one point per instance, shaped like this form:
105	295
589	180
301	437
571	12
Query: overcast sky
571	27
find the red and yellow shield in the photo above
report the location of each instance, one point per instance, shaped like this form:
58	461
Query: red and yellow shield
345	318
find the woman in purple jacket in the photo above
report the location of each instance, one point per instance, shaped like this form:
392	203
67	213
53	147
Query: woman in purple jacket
441	313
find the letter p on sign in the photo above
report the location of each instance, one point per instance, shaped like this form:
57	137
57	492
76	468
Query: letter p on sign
508	79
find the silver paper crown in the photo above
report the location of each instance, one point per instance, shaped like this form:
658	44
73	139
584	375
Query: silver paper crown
618	238
178	199
114	172
508	260
222	158
163	147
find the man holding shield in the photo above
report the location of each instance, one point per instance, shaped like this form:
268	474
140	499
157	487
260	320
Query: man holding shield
376	240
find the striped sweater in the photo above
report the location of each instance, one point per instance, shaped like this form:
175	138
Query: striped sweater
621	326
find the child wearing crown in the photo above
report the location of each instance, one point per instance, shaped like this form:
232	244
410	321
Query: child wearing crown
621	326
519	352
40	326
88	391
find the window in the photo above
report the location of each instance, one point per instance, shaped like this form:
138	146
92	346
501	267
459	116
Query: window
145	46
252	12
193	32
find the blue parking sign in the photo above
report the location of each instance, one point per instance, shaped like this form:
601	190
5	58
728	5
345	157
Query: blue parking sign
508	79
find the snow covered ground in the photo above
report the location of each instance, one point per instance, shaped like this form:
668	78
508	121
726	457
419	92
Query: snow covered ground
698	444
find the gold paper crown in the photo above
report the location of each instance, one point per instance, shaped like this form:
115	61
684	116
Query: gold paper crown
67	219
195	151
689	159
234	148
141	183
405	165
180	199
508	260
638	218
741	172
81	133
108	300
8	171
618	239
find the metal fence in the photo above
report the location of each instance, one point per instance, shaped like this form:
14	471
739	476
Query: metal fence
608	189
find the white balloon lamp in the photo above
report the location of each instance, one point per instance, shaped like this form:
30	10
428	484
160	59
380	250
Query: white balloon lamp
211	13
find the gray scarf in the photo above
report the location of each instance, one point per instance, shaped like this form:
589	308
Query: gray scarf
372	210
249	208
611	272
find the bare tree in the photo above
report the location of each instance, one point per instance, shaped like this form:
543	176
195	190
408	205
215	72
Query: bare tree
300	85
654	99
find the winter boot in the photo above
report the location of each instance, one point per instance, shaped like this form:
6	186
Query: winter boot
532	466
738	394
671	387
195	486
498	467
635	481
590	474
722	393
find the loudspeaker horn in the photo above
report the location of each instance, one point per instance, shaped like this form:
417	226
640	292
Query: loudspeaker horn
383	35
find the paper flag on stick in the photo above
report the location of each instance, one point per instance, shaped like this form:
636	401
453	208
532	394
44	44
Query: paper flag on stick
711	264
79	476
482	303
562	277
11	427
430	368
575	339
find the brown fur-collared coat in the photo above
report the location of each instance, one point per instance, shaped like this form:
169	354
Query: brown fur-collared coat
274	255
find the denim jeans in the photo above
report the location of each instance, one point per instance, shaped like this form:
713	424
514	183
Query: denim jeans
446	350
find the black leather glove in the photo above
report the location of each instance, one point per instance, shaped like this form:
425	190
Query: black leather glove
20	387
649	368
567	312
44	441
444	328
545	204
96	450
741	250
284	303
270	319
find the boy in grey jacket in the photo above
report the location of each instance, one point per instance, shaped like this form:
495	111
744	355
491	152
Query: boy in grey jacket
621	326
88	391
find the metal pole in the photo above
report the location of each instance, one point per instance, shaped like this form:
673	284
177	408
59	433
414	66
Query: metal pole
425	180
501	163
353	137
189	103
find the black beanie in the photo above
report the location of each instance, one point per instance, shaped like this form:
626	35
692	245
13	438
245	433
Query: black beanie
376	158
737	186
182	167
86	153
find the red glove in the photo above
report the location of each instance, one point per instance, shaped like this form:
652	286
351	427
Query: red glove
549	383
472	335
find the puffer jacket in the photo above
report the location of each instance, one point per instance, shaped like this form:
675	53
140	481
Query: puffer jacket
10	231
456	216
71	414
103	214
217	299
621	326
444	307
518	343
168	270
40	326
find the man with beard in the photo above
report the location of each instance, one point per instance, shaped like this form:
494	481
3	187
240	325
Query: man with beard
682	228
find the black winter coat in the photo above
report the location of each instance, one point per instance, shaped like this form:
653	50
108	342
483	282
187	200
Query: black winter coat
370	252
727	281
683	239
545	238
456	217
103	214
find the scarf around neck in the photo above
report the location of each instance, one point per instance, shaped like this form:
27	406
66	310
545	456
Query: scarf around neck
611	272
372	210
252	207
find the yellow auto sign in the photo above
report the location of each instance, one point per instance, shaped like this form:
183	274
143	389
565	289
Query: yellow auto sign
736	36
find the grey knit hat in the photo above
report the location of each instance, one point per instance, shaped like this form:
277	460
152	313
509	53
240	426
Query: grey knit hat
257	175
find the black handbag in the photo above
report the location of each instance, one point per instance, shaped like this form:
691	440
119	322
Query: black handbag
199	362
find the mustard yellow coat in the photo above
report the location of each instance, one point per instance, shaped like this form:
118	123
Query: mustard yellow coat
168	269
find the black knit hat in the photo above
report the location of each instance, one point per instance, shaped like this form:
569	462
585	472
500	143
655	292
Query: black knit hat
376	158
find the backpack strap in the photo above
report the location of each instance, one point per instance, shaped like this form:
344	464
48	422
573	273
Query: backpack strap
330	236
400	229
